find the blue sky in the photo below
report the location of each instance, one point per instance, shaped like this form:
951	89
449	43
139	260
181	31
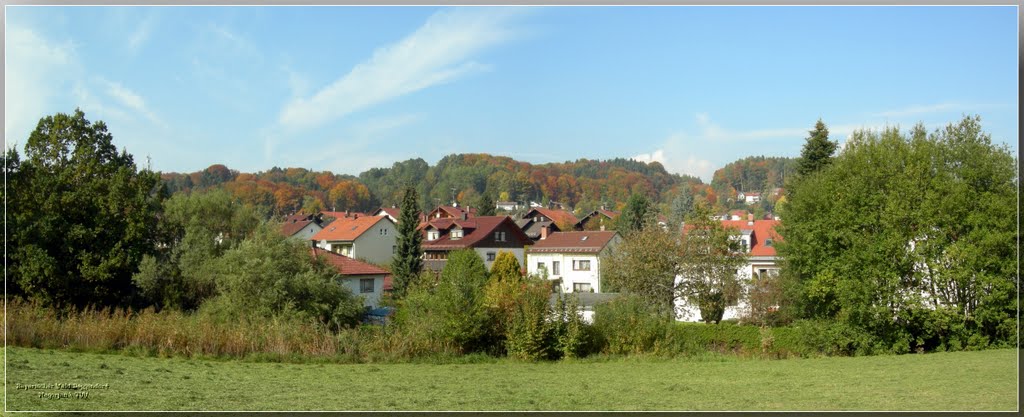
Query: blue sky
350	88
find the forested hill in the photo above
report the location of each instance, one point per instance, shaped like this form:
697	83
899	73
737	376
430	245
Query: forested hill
758	174
582	184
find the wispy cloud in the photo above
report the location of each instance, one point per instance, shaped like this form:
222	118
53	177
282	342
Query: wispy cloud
36	70
357	148
130	99
142	32
918	110
440	51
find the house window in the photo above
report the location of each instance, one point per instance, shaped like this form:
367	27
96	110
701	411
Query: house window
366	285
490	256
394	249
556	267
383	231
456	234
432	235
580	264
499	236
581	287
768	242
541	266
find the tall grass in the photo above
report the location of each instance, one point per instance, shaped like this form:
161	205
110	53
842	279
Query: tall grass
167	333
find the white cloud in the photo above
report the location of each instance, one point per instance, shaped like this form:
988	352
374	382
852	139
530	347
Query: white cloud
131	100
436	53
141	34
35	71
916	110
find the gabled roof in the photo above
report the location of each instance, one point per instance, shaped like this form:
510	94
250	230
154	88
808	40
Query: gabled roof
577	242
761	230
452	211
390	211
348	228
346	265
532	228
476	229
290	228
556	215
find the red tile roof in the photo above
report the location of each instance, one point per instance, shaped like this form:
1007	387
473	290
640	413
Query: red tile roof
588	242
346	265
342	214
452	211
763	230
292	227
475	229
348	228
391	211
558	216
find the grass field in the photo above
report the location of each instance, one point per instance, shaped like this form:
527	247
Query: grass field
985	380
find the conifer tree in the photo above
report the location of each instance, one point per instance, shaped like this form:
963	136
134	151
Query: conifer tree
408	262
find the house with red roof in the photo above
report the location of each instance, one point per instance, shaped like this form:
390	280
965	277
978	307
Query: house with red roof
363	279
371	238
758	239
301	226
558	216
572	259
599	219
451	212
487	235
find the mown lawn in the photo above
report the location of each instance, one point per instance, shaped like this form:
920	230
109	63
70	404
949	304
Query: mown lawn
984	380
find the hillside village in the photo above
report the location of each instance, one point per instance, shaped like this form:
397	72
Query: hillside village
569	256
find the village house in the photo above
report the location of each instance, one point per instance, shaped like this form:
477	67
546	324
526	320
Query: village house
552	219
599	219
749	197
506	205
364	280
302	226
758	239
371	238
487	235
451	212
571	259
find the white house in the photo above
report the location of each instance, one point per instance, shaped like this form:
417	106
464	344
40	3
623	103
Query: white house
486	235
573	259
301	227
749	197
371	238
507	205
758	237
363	279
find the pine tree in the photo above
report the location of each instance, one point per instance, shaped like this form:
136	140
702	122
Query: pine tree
486	204
408	262
817	151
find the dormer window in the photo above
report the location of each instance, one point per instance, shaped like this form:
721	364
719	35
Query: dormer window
768	242
456	234
432	235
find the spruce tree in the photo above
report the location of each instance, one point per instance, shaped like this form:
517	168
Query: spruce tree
817	151
408	262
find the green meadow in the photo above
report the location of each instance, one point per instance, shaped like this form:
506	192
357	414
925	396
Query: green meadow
978	380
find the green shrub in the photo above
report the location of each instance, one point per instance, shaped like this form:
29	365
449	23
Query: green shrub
629	325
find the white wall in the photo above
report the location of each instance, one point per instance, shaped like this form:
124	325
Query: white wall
371	245
690	312
568	276
482	252
306	234
371	300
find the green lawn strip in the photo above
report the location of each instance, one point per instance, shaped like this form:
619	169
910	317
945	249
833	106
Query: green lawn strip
985	380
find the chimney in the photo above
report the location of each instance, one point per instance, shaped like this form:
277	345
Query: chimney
602	227
750	219
544	232
465	215
346	213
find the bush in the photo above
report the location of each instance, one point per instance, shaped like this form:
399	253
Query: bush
629	325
